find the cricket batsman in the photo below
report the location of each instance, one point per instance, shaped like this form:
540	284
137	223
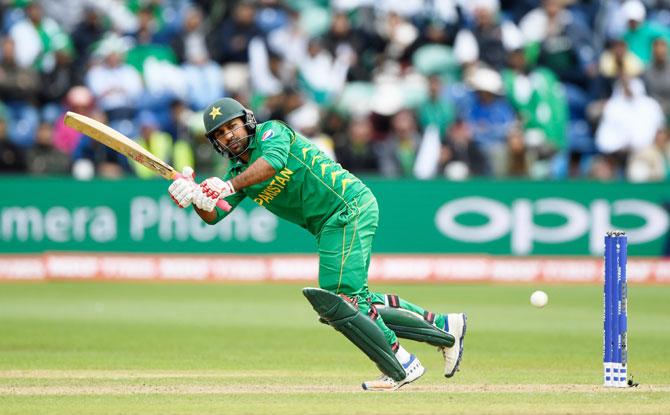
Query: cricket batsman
288	175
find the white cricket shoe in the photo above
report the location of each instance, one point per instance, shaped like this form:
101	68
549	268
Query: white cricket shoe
414	370
452	355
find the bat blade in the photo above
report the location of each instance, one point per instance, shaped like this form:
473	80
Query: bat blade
124	145
118	142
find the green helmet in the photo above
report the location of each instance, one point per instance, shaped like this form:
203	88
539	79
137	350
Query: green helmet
222	111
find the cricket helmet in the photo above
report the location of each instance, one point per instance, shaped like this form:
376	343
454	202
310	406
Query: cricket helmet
223	111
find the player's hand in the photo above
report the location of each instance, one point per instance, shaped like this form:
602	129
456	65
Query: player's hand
183	188
210	191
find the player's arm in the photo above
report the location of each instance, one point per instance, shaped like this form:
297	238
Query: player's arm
259	171
274	146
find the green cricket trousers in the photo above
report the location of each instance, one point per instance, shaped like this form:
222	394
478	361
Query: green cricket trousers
345	247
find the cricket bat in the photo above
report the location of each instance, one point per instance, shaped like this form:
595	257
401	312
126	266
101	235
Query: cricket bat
124	145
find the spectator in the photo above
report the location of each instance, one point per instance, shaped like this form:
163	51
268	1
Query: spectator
89	31
436	110
561	42
386	101
91	158
214	11
490	38
147	25
16	83
398	151
461	157
541	104
362	47
490	116
157	63
289	41
408	9
178	123
516	9
398	34
119	16
603	168
357	154
265	69
18	90
229	42
435	32
517	163
630	121
56	83
116	85
657	76
37	36
202	75
618	61
190	44
306	119
289	100
178	153
270	15
80	100
322	75
43	158
641	33
163	16
651	163
68	13
12	157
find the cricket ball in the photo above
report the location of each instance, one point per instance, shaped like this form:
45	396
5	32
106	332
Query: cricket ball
539	299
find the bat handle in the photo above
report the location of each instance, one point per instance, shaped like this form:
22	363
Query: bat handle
222	204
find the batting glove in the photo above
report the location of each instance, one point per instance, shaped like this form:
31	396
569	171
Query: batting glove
182	189
210	191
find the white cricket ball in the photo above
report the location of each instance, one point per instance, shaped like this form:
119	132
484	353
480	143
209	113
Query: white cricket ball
539	299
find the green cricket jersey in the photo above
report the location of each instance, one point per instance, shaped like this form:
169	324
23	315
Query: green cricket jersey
308	186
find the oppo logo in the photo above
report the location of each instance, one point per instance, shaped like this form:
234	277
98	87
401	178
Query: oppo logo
518	219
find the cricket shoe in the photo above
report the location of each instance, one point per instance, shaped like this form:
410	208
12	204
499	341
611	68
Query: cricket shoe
413	369
456	323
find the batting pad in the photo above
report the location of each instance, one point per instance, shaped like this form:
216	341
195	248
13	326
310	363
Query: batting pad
409	325
356	327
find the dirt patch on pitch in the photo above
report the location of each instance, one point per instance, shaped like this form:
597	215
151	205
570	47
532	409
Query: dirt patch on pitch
148	374
302	389
129	382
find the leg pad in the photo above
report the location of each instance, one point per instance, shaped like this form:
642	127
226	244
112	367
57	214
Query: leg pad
409	325
357	327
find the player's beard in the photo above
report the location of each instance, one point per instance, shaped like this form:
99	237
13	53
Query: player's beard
238	147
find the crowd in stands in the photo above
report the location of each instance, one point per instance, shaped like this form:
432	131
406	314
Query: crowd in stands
540	89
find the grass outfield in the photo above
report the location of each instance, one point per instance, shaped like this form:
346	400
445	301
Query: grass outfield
116	348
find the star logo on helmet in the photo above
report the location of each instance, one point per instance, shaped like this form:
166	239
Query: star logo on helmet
216	111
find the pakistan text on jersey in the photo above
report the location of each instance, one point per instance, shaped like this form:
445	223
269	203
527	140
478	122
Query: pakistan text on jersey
275	187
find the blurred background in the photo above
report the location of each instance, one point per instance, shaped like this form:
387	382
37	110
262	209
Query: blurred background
511	128
549	89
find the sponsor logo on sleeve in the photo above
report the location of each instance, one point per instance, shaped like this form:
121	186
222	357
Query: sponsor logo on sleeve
267	134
